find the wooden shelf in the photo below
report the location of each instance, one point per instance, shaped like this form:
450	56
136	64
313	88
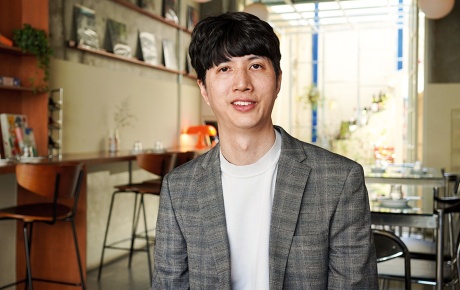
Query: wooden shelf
10	49
163	20
11	88
104	53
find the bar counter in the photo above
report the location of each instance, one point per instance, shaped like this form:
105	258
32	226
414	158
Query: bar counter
53	253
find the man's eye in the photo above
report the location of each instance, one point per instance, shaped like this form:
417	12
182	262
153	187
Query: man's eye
256	66
224	69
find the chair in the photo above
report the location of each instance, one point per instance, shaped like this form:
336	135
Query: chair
58	185
430	260
158	164
388	246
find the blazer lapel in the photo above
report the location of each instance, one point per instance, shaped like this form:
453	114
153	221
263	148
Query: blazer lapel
291	180
211	202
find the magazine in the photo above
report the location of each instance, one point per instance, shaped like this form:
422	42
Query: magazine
18	138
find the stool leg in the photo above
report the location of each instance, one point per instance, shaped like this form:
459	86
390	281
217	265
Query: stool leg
147	238
136	214
82	279
27	245
105	236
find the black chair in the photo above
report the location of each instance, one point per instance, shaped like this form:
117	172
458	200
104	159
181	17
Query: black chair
429	259
160	165
388	246
58	186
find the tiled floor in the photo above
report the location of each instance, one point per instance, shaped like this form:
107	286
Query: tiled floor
117	275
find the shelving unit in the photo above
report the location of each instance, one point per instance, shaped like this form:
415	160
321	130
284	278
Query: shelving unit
128	5
24	99
55	118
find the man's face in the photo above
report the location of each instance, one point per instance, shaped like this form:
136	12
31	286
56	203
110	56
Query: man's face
242	92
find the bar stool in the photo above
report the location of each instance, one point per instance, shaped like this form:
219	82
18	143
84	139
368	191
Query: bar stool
158	164
58	185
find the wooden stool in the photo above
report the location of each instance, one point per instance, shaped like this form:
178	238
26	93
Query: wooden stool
58	184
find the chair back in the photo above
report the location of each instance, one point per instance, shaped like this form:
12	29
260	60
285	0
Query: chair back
47	179
155	163
389	246
183	157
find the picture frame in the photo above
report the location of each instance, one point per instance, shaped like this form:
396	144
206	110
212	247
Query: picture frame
84	27
118	37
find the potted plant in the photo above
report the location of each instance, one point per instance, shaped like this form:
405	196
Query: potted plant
35	41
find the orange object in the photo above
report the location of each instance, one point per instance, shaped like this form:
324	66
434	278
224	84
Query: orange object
5	41
202	131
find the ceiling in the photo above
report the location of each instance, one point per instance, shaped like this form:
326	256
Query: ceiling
337	14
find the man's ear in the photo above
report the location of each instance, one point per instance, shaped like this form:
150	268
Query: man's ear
278	81
203	91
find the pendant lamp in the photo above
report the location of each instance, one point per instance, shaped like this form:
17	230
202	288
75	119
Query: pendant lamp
436	9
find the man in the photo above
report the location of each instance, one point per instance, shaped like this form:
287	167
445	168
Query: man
261	210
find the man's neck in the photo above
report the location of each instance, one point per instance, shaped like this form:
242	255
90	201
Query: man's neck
246	148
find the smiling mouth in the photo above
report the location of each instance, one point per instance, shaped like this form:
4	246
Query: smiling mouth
241	103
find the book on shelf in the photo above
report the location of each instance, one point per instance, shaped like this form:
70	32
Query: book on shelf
118	37
148	48
169	54
18	138
85	27
170	9
192	17
5	40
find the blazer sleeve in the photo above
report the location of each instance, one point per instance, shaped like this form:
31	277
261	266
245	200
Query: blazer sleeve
171	260
352	258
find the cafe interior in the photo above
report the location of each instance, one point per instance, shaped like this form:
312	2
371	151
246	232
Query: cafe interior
111	84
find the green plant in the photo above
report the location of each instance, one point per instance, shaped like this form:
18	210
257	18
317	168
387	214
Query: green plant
35	41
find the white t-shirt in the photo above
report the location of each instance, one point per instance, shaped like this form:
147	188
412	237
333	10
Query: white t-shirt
248	197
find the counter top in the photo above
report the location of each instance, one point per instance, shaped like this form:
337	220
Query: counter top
88	158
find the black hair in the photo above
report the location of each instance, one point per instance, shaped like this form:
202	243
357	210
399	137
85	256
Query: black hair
216	39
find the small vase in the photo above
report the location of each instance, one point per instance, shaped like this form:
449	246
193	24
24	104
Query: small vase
114	141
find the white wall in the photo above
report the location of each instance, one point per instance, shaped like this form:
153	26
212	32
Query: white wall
439	102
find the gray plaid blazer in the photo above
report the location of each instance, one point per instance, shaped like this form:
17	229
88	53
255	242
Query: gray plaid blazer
320	234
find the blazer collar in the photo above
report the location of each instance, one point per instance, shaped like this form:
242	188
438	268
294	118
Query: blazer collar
292	176
211	201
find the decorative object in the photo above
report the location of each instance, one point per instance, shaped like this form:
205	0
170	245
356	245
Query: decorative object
118	38
203	131
148	49
35	41
17	136
169	54
192	17
170	9
436	9
123	118
85	27
257	9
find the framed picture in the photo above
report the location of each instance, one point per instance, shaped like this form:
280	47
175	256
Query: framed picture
192	17
169	54
148	48
170	9
118	38
85	27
